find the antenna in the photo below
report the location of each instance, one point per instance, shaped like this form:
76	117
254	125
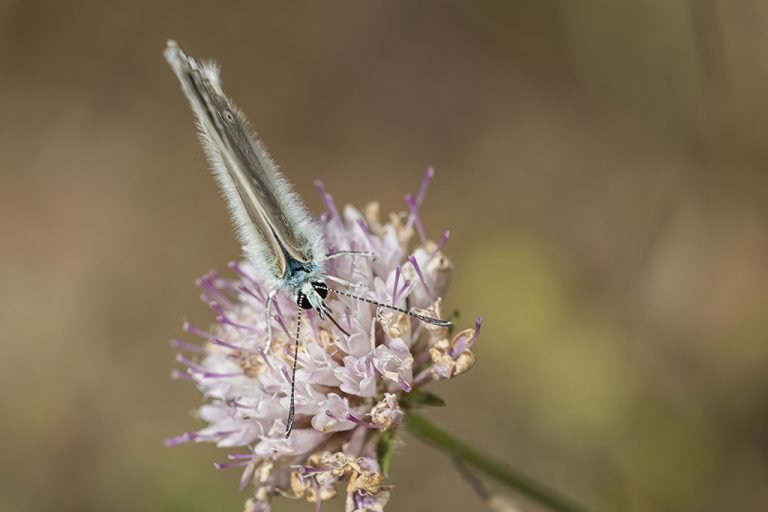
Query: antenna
423	318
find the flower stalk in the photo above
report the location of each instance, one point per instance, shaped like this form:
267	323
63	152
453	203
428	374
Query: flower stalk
516	481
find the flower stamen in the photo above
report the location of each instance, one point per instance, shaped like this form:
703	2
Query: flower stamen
188	346
416	267
188	327
329	204
415	216
439	246
398	271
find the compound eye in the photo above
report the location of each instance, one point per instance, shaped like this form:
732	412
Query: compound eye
321	288
303	301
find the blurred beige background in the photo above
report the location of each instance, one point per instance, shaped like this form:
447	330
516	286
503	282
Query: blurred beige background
602	165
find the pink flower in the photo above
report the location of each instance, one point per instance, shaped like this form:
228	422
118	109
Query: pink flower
395	363
333	415
357	376
343	380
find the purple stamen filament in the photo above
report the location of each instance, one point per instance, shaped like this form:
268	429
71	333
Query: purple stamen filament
478	324
352	418
213	375
248	291
300	359
395	293
329	203
416	267
405	286
266	359
214	306
313	323
239	456
218	465
440	245
415	216
206	284
240	405
276	304
361	422
188	363
332	261
424	185
179	375
224	320
239	270
194	436
185	345
279	320
222	343
196	331
367	235
422	193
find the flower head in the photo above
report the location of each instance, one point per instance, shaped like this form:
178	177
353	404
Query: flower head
353	378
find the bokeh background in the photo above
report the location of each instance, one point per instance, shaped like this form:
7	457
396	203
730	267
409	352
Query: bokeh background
602	167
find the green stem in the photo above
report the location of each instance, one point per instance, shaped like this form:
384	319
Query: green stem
437	437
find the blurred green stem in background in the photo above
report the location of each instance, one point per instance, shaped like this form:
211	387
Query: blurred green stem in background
514	480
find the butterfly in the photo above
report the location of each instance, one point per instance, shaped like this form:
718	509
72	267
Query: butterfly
278	235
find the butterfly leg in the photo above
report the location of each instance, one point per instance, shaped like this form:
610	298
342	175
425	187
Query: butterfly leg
362	254
343	282
270	298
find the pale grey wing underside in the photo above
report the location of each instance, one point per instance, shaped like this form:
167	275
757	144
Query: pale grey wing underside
260	199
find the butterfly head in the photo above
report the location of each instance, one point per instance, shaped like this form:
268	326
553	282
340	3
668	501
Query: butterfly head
311	295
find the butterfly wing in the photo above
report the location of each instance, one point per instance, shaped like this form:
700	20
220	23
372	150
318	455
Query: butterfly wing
272	223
